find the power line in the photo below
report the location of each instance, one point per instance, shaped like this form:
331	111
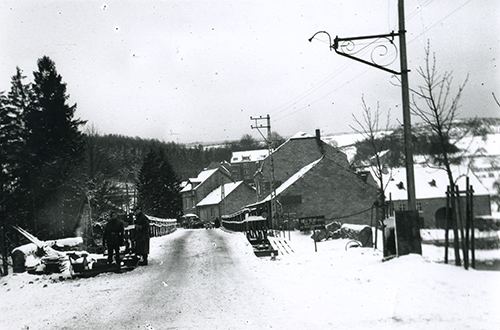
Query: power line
441	20
288	105
333	75
322	97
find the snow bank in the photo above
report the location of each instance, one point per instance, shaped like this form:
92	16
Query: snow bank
354	289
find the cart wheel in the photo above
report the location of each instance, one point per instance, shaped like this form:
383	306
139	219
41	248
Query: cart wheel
353	244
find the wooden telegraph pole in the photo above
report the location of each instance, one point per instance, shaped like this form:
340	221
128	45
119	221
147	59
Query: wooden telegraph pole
258	126
410	175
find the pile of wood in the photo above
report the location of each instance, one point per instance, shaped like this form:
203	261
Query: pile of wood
336	230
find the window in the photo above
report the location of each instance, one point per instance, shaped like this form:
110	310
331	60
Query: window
402	206
419	206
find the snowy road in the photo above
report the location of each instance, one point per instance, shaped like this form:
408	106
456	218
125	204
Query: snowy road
196	283
195	280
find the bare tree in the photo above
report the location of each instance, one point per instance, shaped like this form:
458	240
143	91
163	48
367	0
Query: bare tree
369	126
436	104
496	100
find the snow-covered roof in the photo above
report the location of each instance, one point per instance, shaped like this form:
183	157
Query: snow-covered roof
430	182
195	182
301	135
215	197
190	215
291	180
477	145
296	136
187	187
249	156
349	139
156	219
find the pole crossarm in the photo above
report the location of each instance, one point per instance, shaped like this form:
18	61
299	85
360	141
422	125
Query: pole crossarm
347	47
258	127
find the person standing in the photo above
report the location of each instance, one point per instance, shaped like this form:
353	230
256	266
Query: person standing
113	237
141	236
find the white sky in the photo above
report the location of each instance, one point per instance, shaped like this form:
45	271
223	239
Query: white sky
197	70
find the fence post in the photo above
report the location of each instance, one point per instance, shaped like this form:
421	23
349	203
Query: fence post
460	223
467	218
472	242
454	223
447	226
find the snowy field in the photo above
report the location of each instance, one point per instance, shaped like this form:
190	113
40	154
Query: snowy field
329	289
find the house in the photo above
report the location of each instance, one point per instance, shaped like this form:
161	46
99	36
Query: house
196	189
295	153
324	188
225	199
244	164
430	190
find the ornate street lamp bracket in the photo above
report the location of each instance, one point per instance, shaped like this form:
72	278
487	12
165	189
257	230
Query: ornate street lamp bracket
383	52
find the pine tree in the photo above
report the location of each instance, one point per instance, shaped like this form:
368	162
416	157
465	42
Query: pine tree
12	136
54	145
158	186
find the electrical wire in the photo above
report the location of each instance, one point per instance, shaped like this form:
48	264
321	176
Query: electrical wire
353	214
287	107
441	20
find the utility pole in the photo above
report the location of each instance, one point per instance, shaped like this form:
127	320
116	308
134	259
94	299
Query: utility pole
347	47
410	175
258	126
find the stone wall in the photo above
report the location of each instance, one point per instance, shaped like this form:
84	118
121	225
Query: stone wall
235	201
293	155
240	197
429	207
331	191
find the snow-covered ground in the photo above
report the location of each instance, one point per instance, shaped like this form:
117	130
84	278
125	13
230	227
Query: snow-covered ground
333	288
354	289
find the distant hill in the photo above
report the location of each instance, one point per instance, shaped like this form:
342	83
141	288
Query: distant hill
120	157
358	150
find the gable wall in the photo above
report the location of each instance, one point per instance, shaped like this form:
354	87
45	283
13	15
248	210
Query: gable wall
214	181
291	157
331	191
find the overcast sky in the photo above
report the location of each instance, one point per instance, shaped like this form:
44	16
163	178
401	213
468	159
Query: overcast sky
197	70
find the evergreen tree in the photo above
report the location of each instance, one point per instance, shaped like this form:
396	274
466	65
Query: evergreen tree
158	187
54	146
12	109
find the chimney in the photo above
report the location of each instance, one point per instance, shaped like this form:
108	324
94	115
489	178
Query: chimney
319	142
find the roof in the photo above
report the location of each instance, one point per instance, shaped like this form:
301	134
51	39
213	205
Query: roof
190	215
430	182
301	135
477	145
291	180
349	139
249	156
215	196
195	182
